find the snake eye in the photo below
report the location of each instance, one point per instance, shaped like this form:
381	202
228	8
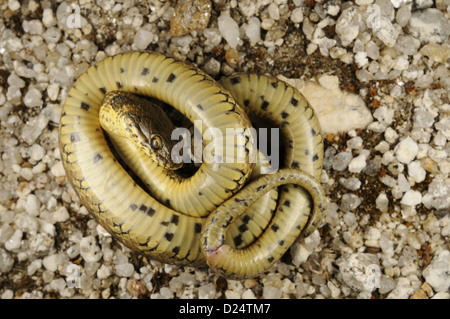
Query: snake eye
156	142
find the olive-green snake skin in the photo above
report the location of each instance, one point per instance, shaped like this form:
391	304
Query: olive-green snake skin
211	217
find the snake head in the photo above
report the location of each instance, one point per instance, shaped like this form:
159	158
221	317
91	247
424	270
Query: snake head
144	122
153	134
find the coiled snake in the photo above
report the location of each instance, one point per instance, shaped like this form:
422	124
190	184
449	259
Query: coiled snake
207	217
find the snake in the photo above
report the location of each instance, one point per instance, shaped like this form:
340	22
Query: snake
227	214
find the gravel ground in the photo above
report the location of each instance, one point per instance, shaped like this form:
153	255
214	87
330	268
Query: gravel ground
377	72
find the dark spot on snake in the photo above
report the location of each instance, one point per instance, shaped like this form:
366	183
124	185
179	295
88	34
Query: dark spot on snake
119	84
200	107
176	249
97	158
103	90
294	101
284	123
307	151
74	137
235	80
259	188
270	259
315	157
151	212
237	240
287	203
200	193
143	208
168	236
175	219
284	114
246	102
145	71
198	228
295	164
274	84
242	228
264	105
167	202
275	227
155	79
281	242
133	207
122	70
85	106
313	132
171	78
165	223
246	219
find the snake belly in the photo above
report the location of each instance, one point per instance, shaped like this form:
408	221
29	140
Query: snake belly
171	230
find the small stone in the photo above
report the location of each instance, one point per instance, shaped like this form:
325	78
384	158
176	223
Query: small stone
411	198
89	249
271	292
429	26
14	241
124	270
349	202
57	169
212	66
229	29
143	38
253	30
33	98
347	25
190	15
33	27
406	150
297	15
437	274
403	15
52	262
6	261
387	33
341	161
416	171
207	291
32	205
274	11
357	164
359	271
382	202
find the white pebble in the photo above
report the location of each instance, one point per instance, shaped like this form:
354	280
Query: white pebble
32	205
382	202
89	249
14	241
143	38
411	198
297	15
347	25
229	29
57	169
274	11
52	262
406	150
33	98
36	152
437	274
13	5
416	171
253	30
124	270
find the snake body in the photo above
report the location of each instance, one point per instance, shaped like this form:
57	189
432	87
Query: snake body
209	217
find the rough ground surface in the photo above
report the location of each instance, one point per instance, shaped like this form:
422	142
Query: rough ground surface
386	231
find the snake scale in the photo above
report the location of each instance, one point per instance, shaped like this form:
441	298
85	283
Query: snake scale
216	216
